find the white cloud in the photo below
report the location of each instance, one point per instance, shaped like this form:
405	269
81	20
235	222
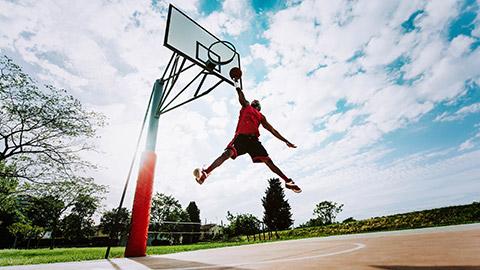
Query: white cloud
470	143
234	19
460	114
262	52
467	145
474	108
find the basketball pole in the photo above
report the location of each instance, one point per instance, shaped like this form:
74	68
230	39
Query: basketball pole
137	242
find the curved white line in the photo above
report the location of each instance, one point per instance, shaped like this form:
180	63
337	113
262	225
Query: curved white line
358	246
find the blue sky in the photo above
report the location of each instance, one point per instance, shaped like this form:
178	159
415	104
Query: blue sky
381	97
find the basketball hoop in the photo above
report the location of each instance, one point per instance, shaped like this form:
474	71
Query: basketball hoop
216	47
190	42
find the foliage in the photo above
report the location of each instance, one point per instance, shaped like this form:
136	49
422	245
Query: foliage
79	225
193	212
436	217
194	216
8	187
10	206
276	215
78	195
42	132
313	222
327	211
350	219
19	230
242	224
40	210
164	212
107	222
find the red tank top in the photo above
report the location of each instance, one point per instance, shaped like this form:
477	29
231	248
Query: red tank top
249	121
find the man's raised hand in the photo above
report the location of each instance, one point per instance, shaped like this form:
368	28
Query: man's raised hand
291	145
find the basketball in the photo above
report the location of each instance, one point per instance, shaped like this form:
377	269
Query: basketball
235	73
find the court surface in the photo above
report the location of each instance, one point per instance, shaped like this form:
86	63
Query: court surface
450	247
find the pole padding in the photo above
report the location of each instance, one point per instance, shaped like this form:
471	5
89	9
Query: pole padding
137	243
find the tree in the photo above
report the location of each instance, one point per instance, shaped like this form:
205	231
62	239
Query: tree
19	230
242	224
40	210
79	224
42	133
36	232
8	187
194	215
9	206
107	222
350	219
164	214
327	211
64	195
276	215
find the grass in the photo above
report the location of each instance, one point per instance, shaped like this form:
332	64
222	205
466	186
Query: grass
9	257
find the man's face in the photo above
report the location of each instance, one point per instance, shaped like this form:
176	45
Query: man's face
256	104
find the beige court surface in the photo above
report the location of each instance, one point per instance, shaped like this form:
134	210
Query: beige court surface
451	247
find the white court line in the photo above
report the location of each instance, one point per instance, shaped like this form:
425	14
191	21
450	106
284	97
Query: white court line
359	246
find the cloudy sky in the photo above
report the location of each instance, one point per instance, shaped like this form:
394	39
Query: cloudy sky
382	98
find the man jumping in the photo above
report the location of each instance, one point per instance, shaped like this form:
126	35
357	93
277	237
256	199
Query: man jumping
246	141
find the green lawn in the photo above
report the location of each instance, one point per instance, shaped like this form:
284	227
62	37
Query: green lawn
9	257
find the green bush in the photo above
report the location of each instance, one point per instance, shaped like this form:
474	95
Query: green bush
451	215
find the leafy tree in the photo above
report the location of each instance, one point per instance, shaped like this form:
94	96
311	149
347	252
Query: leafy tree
64	195
107	222
276	215
42	133
10	205
8	187
350	219
194	215
79	225
165	210
313	222
40	210
242	224
19	230
327	211
35	233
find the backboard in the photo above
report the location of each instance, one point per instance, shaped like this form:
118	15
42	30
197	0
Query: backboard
189	39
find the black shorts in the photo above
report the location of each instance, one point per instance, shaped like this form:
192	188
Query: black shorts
243	144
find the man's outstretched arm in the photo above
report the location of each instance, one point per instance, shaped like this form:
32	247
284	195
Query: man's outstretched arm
241	97
275	133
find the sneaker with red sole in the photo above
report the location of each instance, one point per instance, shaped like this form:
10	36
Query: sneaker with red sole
200	175
291	185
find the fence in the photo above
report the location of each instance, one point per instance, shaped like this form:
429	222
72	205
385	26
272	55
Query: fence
180	233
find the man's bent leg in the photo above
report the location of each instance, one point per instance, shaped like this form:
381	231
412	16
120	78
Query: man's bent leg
201	175
228	153
276	170
288	182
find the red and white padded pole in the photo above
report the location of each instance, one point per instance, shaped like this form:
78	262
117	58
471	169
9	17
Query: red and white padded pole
137	242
